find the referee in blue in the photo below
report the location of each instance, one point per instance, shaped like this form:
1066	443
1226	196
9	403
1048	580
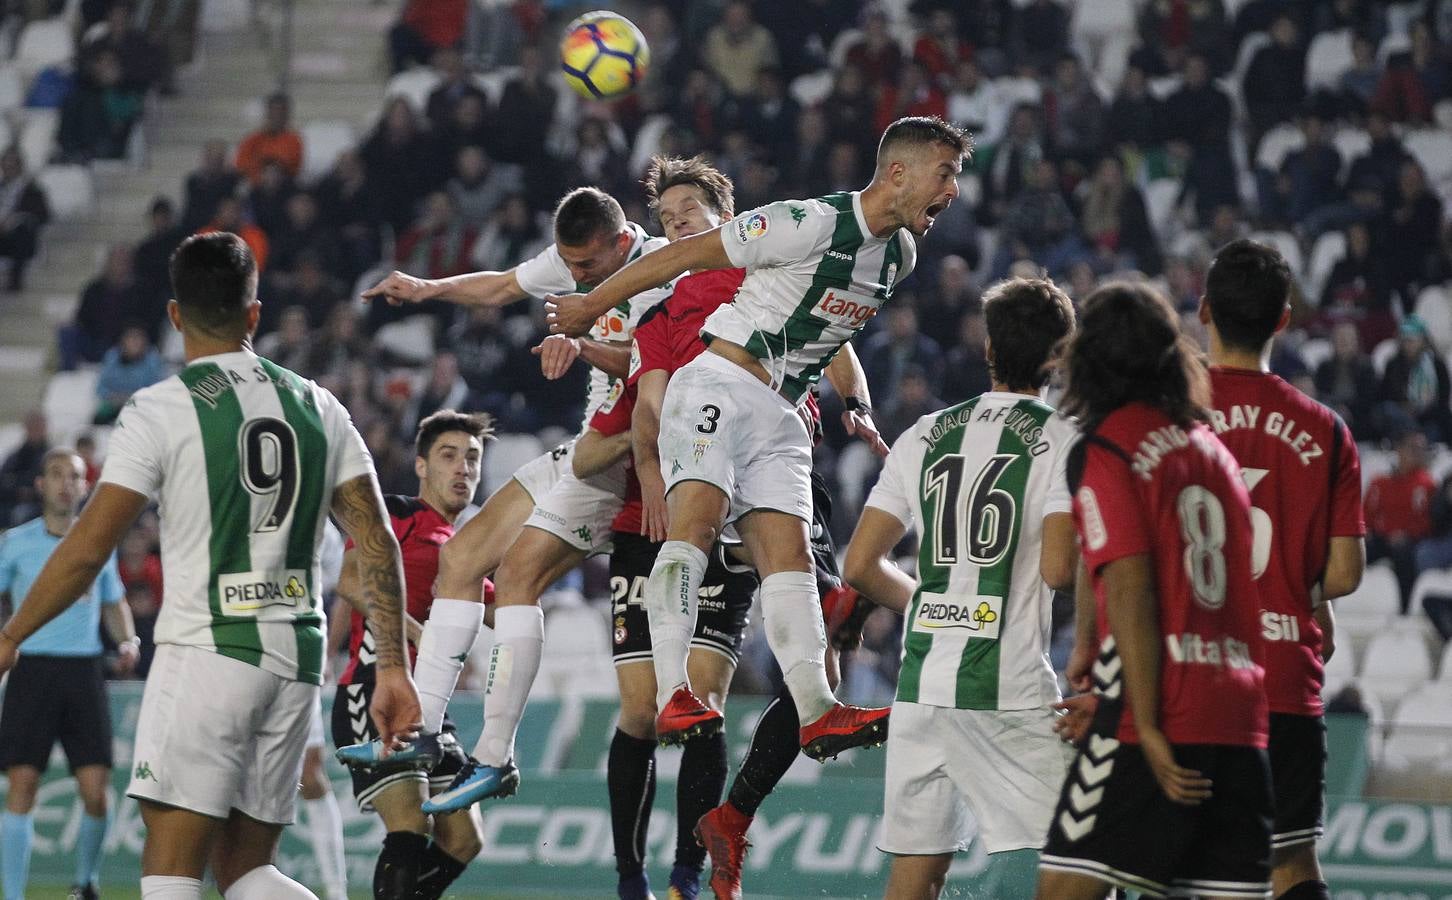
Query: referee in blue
58	688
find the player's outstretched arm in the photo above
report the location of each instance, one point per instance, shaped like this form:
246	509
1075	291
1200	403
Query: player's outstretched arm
74	564
867	567
349	591
573	314
650	390
469	289
358	506
596	452
557	353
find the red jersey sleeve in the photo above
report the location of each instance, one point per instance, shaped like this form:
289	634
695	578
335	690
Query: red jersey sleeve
1347	518
1108	510
651	348
614	418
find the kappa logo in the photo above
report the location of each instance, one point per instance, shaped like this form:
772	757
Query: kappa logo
583	533
838	254
798	214
143	772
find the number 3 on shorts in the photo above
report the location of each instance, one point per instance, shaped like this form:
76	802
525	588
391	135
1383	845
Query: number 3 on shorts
710	414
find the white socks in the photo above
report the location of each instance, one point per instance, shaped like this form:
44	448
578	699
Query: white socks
266	883
513	664
798	640
448	636
170	887
670	604
325	827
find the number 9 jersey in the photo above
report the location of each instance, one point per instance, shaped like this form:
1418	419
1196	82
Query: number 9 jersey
1146	486
242	457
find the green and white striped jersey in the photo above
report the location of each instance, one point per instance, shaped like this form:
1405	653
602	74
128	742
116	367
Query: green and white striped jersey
242	457
547	273
978	480
814	276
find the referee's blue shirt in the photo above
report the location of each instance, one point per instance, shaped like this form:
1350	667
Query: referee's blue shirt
75	632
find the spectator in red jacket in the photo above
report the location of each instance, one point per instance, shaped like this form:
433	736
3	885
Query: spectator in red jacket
1399	511
424	28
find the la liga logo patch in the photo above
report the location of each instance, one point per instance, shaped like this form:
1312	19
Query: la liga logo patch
749	228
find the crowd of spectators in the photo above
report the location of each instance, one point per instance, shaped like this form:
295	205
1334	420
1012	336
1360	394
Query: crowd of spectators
1115	138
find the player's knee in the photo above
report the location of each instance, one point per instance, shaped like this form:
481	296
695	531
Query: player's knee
313	787
24	783
638	719
463	844
93	802
459	575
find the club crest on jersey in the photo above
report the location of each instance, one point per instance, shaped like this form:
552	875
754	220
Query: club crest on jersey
700	446
979	616
247	593
749	228
843	308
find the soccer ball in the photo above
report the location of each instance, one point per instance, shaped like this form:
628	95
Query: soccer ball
603	55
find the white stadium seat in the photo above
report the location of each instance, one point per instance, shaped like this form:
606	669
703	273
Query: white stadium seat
1340	670
1276	143
323	141
68	189
70	400
1329	249
1286	244
1421	732
1396	663
1434	306
44	43
1315	351
37	137
1328	57
1366	611
504	455
12	88
414	85
1444	667
1352	144
1382	353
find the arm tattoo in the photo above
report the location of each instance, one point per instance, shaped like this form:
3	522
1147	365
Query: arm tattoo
358	504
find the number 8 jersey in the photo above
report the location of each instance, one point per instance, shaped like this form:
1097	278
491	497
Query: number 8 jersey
242	457
1144	485
977	480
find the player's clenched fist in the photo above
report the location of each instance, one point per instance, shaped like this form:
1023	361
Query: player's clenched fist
568	315
556	354
400	288
395	708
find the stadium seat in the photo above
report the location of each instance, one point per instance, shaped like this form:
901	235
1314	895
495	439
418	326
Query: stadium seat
37	137
69	190
70	400
856	471
1014	91
504	455
1396	663
12	435
1394	42
12	88
1329	249
1444	667
323	141
1434	307
1421	730
812	88
1382	353
1286	244
1432	147
1366	611
1249	47
414	85
1442	115
837	53
42	43
222	16
576	657
1340	671
410	339
1164	86
1276	143
1103	32
1352	144
1440	463
1374	462
1314	352
1160	196
1328	57
492	82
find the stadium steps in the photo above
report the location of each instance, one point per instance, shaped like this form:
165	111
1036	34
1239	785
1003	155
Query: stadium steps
220	99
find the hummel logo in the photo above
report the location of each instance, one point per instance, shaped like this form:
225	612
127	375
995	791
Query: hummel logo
1073	828
143	772
1083	800
1091	774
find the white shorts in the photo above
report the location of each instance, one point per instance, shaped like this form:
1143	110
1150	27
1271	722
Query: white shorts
539	476
580	512
721	425
949	768
216	734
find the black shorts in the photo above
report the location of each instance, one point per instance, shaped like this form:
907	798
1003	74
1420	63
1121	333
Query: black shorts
52	698
1114	823
1298	770
353	725
722	612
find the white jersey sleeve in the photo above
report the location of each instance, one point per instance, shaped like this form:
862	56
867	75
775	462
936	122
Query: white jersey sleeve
778	234
1058	499
545	273
136	452
350	455
896	489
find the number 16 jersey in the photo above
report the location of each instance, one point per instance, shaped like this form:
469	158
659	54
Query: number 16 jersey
977	480
242	457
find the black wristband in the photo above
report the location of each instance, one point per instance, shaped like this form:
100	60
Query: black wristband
855	404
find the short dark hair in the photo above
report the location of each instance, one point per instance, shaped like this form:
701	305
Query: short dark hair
478	425
1129	349
666	172
214	279
585	214
1027	318
1247	289
922	130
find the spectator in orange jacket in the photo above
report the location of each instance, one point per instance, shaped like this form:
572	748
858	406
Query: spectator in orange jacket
229	218
276	141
